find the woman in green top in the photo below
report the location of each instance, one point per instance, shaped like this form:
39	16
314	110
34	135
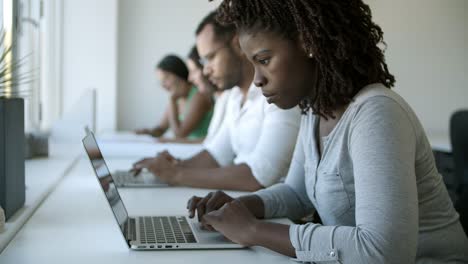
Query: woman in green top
189	111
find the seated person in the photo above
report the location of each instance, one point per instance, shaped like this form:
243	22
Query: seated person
254	146
362	159
205	86
189	112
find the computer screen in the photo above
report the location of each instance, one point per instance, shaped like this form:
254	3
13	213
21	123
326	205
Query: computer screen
105	179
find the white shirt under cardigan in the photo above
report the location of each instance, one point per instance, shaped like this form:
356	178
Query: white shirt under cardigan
258	134
376	189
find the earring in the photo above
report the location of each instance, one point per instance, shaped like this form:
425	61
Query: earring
311	55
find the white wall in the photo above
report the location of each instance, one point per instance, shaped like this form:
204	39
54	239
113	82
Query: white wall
148	30
29	48
428	54
90	56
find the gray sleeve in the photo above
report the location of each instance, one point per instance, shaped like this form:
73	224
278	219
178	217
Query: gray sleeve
382	144
289	199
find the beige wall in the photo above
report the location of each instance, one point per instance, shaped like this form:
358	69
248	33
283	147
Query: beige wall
428	53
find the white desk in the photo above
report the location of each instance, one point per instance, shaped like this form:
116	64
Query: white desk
77	214
125	144
41	177
141	150
75	225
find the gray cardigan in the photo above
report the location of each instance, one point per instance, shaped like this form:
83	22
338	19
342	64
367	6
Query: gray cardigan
376	189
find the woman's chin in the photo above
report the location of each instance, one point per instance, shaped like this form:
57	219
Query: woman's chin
283	105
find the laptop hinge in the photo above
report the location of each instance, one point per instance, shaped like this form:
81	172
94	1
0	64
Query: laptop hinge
130	231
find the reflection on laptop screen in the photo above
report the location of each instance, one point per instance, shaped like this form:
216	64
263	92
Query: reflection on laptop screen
105	179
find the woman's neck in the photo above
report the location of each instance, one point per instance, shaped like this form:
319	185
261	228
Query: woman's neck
326	126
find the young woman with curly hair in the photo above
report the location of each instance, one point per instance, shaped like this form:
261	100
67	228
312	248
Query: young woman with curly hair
362	160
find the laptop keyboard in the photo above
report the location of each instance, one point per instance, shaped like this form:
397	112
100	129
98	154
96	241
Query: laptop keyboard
121	177
165	229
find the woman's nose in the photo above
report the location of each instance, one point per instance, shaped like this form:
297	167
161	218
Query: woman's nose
259	80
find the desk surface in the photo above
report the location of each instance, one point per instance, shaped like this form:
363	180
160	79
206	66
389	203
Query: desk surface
41	177
125	144
43	174
75	225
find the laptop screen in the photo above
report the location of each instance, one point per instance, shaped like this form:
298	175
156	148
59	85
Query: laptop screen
105	179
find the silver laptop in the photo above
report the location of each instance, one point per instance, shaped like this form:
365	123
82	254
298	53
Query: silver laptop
151	232
127	179
145	179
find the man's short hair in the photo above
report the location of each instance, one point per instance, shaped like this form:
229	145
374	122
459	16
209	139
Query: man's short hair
222	32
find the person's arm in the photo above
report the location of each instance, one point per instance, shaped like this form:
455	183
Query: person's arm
288	199
382	146
236	222
198	107
181	140
235	177
213	168
237	219
215	200
271	157
201	160
219	211
269	160
165	166
201	171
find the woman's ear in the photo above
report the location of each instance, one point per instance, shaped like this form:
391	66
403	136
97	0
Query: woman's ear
302	46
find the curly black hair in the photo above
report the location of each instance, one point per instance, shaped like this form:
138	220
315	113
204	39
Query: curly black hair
340	34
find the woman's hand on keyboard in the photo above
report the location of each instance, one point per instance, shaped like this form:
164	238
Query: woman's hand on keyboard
234	221
211	202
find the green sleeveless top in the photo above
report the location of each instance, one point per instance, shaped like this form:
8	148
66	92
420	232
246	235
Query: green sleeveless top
202	129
